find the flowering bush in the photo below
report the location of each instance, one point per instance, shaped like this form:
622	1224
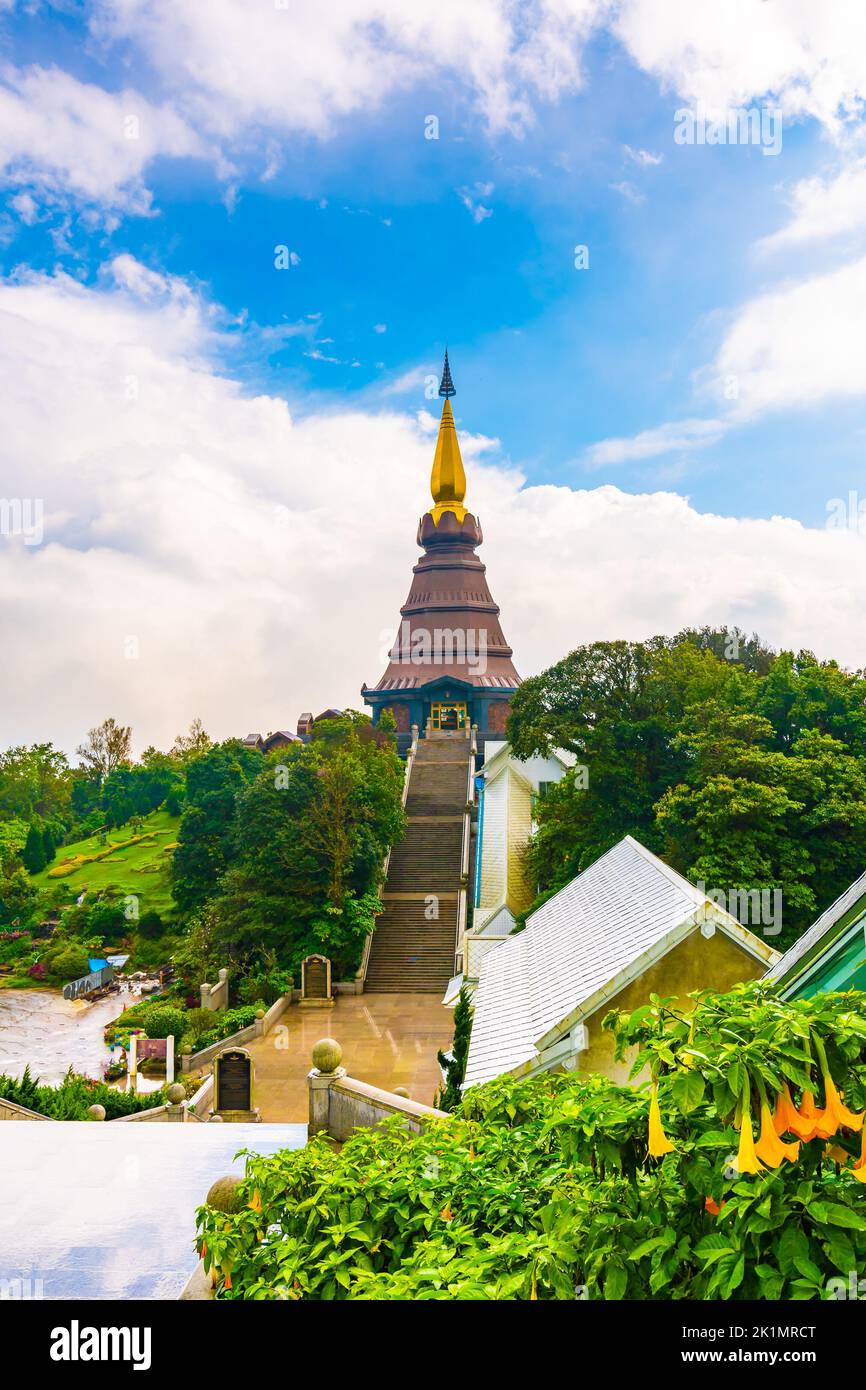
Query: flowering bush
566	1186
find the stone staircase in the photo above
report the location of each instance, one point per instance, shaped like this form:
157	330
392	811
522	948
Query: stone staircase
411	953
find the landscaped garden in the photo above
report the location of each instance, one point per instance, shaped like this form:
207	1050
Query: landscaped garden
72	1099
736	1171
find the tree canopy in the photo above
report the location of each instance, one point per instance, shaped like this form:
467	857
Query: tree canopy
746	772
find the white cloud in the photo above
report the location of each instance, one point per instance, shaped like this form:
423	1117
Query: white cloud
351	55
628	191
823	208
60	137
257	558
797	344
222	69
810	57
670	438
471	200
644	158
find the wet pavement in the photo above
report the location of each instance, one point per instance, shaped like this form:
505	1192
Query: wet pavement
388	1040
108	1210
53	1034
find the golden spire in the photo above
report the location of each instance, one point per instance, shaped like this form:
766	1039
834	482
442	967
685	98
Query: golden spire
448	480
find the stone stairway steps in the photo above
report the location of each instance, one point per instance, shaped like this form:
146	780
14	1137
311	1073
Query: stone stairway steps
410	953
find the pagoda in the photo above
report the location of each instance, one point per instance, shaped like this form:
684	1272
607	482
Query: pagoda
450	666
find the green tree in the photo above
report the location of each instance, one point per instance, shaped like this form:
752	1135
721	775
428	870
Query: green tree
33	853
191	744
617	707
310	838
106	747
454	1064
18	895
205	841
48	846
35	782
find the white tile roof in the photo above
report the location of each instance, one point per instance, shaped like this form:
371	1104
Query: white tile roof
577	942
822	925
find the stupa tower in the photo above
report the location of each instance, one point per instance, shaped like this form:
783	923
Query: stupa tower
450	665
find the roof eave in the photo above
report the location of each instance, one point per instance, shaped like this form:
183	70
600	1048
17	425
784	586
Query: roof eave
707	912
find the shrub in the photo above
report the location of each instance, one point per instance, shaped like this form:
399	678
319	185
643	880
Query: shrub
75	1094
161	1022
231	1021
199	1021
265	988
68	963
151	926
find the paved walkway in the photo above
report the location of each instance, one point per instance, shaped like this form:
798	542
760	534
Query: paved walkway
388	1040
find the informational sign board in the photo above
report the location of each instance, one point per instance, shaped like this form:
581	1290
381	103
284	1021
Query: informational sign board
316	978
233	1080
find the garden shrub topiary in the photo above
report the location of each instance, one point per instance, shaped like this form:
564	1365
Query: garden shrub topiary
164	1021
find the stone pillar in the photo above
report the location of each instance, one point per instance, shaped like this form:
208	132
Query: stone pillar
327	1055
175	1109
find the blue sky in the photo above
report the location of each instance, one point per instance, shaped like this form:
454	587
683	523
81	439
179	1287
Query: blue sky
548	359
262	127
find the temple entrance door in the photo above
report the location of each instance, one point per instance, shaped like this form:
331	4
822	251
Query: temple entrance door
449	714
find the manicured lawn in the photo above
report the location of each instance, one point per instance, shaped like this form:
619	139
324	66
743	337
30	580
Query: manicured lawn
140	868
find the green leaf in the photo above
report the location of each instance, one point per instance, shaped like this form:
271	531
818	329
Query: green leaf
688	1091
844	1216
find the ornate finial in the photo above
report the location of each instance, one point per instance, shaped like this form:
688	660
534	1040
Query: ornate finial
446	385
448	480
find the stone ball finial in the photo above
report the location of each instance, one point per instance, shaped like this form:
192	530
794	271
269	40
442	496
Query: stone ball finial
96	1112
401	1091
176	1094
260	1013
327	1055
224	1195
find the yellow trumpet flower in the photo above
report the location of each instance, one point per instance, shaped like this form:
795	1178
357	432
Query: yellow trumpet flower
785	1111
255	1201
747	1159
769	1148
659	1144
859	1169
835	1108
802	1121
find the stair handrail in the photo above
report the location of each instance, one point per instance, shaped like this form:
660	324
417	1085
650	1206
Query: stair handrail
464	855
361	975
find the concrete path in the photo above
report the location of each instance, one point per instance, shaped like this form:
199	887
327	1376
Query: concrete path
388	1040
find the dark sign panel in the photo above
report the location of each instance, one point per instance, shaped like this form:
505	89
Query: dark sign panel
233	1081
